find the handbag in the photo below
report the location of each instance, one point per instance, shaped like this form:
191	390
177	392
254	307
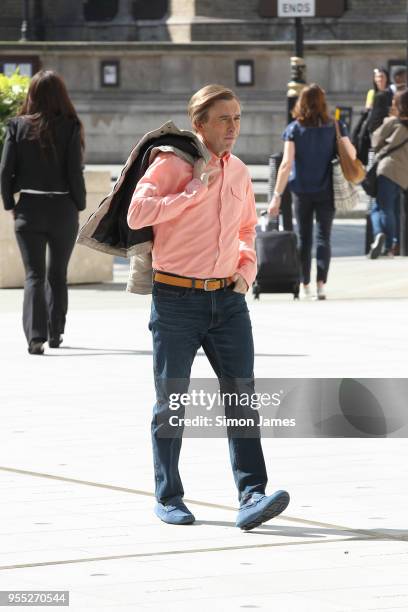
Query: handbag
353	169
346	196
370	184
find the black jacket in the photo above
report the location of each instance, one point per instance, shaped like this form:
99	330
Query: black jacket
361	137
25	165
381	109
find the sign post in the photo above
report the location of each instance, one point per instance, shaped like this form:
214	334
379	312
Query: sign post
296	9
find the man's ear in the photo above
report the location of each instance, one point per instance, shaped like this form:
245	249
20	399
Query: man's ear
197	126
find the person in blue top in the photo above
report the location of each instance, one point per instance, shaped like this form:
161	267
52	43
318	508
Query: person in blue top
310	145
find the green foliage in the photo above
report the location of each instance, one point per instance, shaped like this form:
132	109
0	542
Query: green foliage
13	91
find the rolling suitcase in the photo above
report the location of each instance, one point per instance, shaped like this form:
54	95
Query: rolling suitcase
278	260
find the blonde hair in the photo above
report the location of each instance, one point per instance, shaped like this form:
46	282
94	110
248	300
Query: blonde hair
203	99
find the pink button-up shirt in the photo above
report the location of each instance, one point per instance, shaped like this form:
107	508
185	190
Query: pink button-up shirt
199	231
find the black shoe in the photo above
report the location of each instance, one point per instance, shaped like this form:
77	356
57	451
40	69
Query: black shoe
36	347
376	246
55	341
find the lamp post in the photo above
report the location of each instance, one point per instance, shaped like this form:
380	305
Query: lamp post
25	22
297	69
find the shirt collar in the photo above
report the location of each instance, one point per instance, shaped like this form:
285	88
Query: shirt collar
226	156
214	158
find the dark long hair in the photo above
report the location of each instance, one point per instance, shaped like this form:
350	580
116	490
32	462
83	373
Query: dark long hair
311	108
387	78
47	99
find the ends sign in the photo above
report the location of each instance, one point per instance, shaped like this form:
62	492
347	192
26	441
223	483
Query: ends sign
296	8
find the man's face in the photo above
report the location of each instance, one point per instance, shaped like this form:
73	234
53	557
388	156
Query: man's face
221	129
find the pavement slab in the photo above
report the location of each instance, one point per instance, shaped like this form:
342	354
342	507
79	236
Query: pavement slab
76	474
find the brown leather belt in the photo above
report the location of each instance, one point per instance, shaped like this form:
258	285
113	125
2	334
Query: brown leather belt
208	284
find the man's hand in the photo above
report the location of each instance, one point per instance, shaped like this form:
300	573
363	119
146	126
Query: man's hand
202	172
241	285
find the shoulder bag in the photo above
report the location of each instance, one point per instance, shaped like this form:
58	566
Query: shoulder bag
353	169
345	193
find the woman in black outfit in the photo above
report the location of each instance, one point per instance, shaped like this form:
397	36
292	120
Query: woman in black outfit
42	159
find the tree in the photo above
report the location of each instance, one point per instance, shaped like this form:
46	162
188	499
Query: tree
13	91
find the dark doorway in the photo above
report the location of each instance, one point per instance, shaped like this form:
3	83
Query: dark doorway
100	10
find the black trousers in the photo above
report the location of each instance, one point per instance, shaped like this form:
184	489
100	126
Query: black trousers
306	206
42	221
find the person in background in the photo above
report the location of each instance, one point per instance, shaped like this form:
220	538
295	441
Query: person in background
42	159
392	177
380	110
381	82
310	145
399	80
377	107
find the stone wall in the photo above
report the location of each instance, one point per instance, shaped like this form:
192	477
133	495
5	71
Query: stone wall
85	266
157	81
369	7
210	20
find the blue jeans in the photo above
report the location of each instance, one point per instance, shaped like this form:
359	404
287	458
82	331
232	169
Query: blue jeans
183	320
306	206
385	211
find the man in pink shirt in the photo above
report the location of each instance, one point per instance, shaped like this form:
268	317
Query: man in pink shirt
204	261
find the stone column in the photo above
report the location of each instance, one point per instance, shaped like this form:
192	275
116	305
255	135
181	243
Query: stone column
124	11
182	8
181	15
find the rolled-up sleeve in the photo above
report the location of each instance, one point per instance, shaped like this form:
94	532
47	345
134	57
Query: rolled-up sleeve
8	167
165	190
247	255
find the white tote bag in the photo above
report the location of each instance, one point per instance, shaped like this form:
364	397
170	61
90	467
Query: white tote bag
346	196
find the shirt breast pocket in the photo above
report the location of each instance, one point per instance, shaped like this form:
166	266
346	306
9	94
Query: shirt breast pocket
237	196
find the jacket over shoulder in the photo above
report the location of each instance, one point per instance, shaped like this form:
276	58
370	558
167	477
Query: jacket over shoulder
107	229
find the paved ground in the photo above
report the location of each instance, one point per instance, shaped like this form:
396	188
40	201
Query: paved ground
76	471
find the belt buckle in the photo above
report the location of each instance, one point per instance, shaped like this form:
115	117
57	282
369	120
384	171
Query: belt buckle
206	281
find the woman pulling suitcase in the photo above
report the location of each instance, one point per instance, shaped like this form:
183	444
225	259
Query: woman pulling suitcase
310	145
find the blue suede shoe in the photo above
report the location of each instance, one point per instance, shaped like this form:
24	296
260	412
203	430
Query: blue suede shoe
174	513
260	508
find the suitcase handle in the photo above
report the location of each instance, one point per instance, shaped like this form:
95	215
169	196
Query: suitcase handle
269	223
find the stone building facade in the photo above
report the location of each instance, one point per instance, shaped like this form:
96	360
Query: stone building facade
200	20
137	66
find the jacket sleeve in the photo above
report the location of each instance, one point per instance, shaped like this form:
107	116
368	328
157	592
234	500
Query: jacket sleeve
165	190
75	174
247	255
379	136
8	167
